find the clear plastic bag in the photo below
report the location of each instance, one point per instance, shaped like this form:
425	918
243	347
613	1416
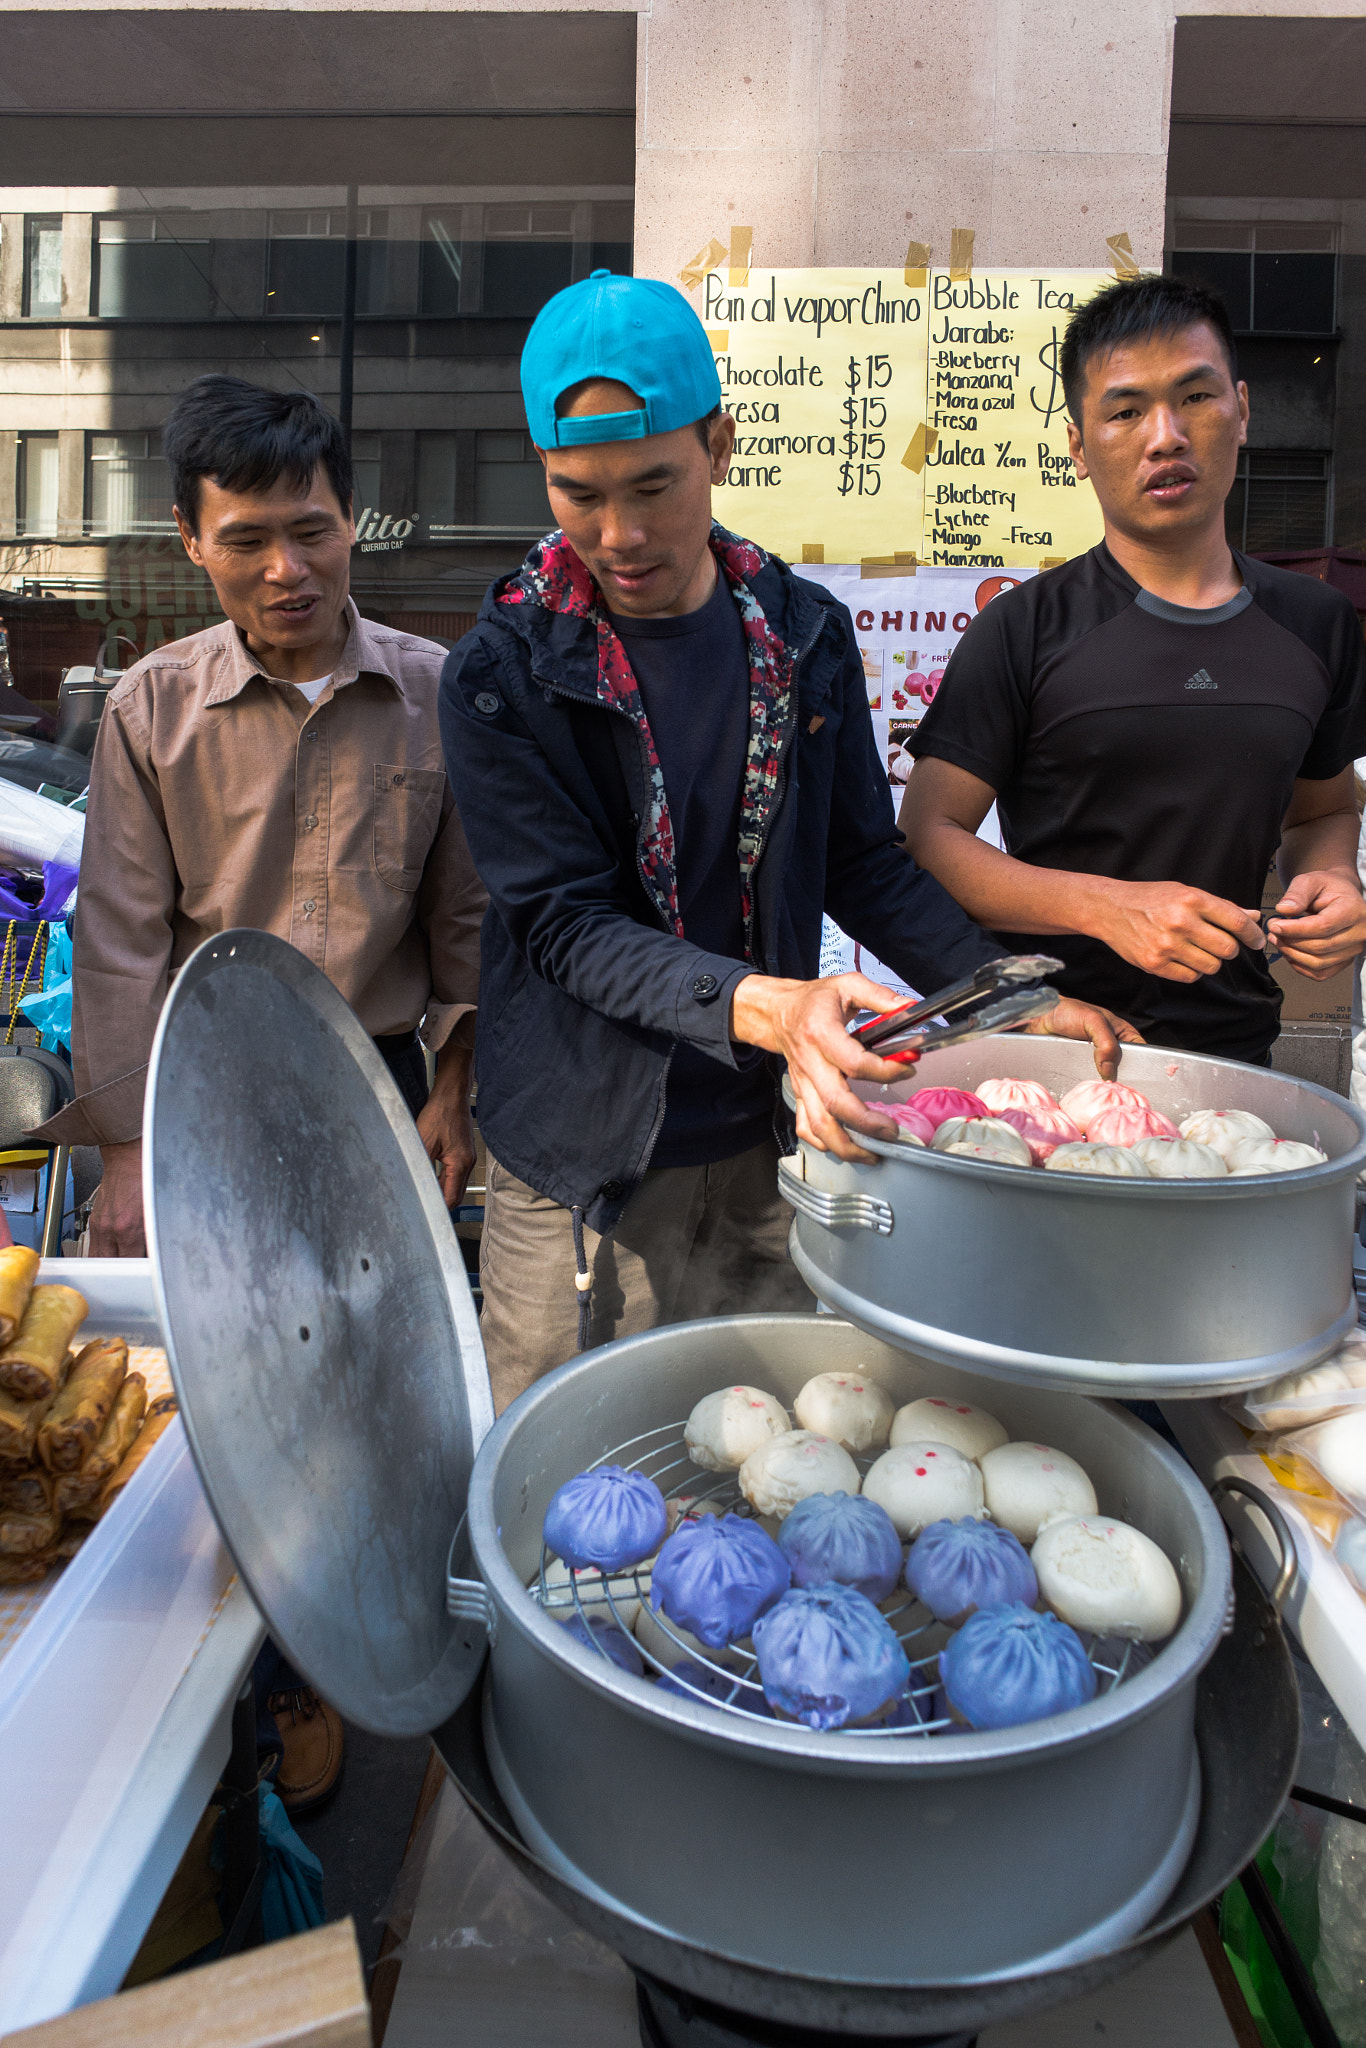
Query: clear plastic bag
1336	1450
1334	1387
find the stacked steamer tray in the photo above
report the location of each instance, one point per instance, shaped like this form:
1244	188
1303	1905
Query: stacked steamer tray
1167	1289
75	1421
879	1881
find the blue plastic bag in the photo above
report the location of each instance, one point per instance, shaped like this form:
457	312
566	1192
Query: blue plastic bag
292	1891
49	1008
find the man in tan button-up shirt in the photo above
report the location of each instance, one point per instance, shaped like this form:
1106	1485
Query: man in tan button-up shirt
283	770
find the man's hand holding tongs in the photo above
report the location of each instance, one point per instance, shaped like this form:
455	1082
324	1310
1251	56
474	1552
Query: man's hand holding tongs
807	1022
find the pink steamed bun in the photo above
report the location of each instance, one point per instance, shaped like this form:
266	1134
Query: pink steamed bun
1043	1129
1088	1099
913	1123
939	1104
1125	1124
1009	1093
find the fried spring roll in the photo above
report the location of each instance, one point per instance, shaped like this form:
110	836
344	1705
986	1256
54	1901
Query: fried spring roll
72	1490
20	1422
72	1426
27	1489
23	1571
31	1363
152	1429
22	1535
18	1271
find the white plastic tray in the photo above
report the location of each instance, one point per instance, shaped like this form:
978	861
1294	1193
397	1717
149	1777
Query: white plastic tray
115	1712
1324	1609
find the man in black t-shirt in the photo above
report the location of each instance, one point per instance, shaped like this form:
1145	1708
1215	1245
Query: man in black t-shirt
1158	719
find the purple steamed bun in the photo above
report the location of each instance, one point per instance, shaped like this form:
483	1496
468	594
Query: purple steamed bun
688	1678
606	1517
608	1638
827	1657
716	1576
842	1537
957	1567
1009	1664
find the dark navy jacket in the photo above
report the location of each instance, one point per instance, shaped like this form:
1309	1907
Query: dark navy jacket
583	992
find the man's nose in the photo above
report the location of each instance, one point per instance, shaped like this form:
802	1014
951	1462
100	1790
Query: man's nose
285	563
1166	430
621	531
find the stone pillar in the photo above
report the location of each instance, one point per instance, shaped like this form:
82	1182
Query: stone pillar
70	483
77	229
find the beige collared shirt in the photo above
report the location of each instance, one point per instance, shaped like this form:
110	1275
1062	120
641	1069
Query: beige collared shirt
220	797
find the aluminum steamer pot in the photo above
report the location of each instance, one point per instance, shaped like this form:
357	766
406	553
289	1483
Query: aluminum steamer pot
958	1858
1166	1288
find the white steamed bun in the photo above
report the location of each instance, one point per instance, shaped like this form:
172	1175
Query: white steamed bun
1112	1159
920	1483
787	1468
1271	1155
1103	1577
1180	1159
935	1419
848	1407
726	1426
982	1137
1222	1128
1027	1485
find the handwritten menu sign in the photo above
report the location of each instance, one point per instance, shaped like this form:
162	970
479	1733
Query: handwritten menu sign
878	420
999	484
824	372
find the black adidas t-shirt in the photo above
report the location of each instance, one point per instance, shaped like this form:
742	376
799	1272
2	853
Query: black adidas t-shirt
1130	737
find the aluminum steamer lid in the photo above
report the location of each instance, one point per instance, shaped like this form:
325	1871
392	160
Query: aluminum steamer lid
319	1325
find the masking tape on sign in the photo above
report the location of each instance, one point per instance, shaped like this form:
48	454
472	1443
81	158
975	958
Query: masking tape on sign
704	261
1122	256
741	242
917	265
923	442
960	254
812	551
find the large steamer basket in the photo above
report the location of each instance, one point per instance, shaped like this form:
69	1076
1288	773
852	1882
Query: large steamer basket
908	1859
1164	1288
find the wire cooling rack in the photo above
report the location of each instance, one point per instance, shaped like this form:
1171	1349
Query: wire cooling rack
732	1675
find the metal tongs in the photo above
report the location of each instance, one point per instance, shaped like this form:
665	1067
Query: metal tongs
903	1034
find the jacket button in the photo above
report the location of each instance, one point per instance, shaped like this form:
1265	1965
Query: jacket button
704	985
488	703
612	1191
310	823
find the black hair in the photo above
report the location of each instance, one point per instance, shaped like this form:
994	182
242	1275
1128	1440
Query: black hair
246	439
705	425
1132	309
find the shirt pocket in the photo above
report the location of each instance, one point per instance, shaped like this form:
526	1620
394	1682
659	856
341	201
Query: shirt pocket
407	813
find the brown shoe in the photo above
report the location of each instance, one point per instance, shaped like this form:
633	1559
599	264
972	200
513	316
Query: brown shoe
311	1732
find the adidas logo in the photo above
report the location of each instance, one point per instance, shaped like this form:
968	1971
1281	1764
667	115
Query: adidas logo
1202	680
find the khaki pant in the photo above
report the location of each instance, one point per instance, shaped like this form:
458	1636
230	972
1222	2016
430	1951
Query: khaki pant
693	1241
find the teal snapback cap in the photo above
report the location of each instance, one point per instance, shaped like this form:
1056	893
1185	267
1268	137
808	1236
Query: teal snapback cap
635	330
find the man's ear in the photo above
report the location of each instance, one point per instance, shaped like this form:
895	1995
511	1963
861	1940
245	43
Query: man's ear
1075	448
188	536
721	442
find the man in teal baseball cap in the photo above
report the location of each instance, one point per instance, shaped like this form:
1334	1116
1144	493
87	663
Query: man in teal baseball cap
661	748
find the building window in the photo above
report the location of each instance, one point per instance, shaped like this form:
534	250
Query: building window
154	267
528	256
613	228
509	487
307	262
129	486
365	467
37	484
442	262
1279	500
436	472
1275	277
43	265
